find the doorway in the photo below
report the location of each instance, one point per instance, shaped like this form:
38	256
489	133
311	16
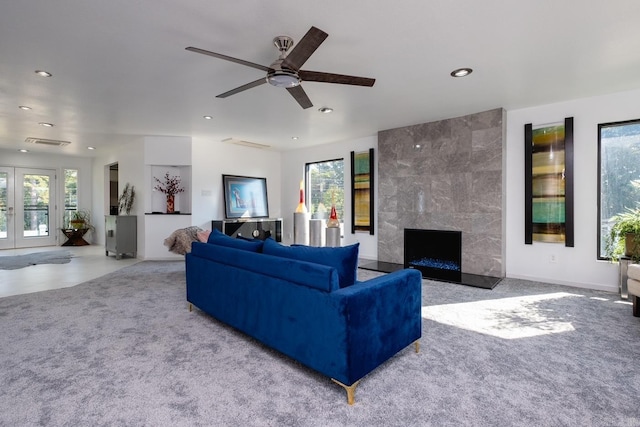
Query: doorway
27	207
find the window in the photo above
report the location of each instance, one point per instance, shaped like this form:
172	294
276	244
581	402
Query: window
70	194
325	182
618	174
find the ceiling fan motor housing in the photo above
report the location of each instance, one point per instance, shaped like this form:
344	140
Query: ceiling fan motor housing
282	77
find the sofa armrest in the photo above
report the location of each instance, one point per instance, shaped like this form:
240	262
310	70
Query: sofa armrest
384	317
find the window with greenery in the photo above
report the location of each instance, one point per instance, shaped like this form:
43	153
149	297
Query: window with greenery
70	194
324	183
618	174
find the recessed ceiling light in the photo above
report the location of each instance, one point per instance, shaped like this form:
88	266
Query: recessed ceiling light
461	72
24	107
43	73
91	148
47	125
22	150
295	138
325	110
208	117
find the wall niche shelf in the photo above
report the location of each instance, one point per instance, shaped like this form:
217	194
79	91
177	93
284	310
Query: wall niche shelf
156	201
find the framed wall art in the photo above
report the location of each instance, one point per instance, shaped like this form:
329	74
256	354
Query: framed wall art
245	197
362	191
549	183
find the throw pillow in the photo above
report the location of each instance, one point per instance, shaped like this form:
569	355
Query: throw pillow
218	238
344	259
203	236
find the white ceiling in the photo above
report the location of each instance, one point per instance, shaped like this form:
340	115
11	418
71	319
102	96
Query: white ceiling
120	68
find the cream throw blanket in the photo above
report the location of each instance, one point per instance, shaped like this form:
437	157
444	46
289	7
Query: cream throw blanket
179	241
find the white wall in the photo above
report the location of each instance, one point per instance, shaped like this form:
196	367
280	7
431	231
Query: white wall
58	162
293	171
130	159
577	266
212	159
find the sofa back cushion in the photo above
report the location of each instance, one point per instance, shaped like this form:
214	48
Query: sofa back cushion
343	259
218	238
311	275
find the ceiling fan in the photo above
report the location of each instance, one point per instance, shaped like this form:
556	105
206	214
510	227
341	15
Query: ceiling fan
285	71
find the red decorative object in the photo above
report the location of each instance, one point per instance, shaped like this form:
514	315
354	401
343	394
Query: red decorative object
333	217
170	204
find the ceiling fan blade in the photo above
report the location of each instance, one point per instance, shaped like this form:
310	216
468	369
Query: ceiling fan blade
316	76
228	58
305	47
301	96
243	88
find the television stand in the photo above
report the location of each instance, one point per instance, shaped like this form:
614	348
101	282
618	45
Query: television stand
252	228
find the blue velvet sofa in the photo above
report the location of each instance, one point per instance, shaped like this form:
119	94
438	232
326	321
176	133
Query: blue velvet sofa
301	308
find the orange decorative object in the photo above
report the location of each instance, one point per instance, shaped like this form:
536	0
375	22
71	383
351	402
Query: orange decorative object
302	208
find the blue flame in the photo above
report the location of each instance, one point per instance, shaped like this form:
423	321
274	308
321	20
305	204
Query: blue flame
436	263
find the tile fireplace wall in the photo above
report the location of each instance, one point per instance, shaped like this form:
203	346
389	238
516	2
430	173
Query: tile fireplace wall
445	175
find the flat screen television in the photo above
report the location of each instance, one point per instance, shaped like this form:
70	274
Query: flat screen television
245	197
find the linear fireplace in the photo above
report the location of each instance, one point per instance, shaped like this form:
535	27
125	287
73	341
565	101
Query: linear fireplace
436	253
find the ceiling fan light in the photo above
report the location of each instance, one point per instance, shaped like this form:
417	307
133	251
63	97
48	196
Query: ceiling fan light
283	80
461	72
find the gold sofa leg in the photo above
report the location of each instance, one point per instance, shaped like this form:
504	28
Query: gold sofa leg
417	343
190	307
351	390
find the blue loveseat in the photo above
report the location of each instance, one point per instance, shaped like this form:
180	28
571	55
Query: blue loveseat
301	308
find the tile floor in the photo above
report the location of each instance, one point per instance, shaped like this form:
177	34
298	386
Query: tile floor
87	262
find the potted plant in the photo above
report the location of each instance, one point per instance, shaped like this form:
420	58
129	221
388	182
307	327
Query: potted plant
624	236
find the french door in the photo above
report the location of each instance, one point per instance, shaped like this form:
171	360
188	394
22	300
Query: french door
27	207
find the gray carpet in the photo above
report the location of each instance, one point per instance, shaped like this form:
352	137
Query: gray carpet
124	350
14	262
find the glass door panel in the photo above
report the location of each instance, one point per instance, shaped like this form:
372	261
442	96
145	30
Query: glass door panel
7	239
35	207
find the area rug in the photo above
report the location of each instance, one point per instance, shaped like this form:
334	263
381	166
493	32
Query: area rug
124	350
14	262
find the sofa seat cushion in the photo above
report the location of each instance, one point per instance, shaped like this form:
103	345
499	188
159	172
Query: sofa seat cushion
343	259
218	238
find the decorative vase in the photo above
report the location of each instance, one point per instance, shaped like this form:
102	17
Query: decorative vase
333	216
302	208
170	203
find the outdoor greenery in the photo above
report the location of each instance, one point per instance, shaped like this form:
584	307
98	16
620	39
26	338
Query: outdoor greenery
619	180
326	180
36	201
70	196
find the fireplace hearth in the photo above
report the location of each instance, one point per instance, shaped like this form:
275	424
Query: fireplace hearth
437	254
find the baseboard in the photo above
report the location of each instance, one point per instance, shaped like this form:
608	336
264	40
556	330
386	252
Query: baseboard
593	286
